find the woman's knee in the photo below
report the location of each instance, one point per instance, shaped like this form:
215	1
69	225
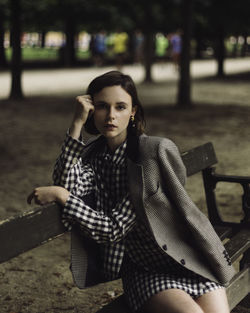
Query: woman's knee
171	301
214	301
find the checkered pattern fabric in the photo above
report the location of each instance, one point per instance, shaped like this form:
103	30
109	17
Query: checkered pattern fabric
140	285
152	271
104	176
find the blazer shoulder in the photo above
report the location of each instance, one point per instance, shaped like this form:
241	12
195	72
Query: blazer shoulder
155	143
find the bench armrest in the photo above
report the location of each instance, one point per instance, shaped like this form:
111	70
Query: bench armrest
243	180
210	179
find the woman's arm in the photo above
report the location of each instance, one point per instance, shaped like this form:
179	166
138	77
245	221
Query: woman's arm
48	194
84	107
73	146
97	225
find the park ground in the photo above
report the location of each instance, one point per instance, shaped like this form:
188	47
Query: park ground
31	135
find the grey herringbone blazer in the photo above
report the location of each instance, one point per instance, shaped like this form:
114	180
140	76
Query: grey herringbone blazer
156	176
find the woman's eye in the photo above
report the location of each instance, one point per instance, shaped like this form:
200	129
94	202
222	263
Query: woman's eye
121	107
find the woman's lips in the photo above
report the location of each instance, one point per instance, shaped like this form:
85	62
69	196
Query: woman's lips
110	126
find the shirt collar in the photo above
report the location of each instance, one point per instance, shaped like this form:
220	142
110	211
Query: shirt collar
118	156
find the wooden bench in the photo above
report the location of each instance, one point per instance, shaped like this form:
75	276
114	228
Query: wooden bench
40	225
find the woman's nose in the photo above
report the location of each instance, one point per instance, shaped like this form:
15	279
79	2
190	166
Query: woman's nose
111	113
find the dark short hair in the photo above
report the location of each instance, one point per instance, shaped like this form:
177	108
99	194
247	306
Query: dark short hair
116	78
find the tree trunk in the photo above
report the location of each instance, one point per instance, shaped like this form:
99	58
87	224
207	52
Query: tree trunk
148	57
16	59
243	51
184	86
3	61
69	49
220	52
148	42
42	37
198	49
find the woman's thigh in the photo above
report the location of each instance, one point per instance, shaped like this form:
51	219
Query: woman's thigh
171	301
214	301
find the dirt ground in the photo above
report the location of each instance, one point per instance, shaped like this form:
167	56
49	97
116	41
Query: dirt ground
31	135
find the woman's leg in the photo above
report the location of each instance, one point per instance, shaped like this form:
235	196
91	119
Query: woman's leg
214	301
171	301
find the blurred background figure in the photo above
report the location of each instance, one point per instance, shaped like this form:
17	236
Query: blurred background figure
175	41
98	48
161	46
138	44
120	47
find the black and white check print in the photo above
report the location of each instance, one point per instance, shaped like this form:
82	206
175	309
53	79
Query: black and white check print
105	177
146	269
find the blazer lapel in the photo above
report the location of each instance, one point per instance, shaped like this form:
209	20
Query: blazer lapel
136	187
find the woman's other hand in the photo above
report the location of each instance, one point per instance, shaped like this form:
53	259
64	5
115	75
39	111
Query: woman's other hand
48	194
84	107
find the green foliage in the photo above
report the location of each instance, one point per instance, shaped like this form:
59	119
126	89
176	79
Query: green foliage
40	54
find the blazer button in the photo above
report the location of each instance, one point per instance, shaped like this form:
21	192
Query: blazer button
164	247
183	262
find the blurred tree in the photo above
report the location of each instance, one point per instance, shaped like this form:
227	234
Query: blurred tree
75	15
16	66
40	16
3	17
184	96
149	17
217	20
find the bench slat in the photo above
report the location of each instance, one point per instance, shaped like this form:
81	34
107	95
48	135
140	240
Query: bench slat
238	244
199	158
29	230
238	288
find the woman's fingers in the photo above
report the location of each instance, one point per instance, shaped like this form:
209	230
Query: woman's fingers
38	195
85	105
30	197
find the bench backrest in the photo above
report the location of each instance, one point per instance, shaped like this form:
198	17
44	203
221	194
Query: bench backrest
35	227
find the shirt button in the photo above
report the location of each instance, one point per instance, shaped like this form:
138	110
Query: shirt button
74	161
164	247
183	262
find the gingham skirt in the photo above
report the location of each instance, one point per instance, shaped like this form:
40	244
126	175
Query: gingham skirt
140	285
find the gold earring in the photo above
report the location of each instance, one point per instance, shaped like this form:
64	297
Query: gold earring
132	120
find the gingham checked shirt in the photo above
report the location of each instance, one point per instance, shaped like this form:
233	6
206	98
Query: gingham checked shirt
103	176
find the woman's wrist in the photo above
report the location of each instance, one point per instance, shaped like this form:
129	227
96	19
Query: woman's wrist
75	129
62	195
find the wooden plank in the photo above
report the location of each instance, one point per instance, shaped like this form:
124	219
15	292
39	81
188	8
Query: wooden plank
118	305
29	230
199	158
238	288
238	244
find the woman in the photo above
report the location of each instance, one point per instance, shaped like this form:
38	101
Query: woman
123	198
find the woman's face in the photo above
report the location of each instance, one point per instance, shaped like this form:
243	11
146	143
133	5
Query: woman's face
113	109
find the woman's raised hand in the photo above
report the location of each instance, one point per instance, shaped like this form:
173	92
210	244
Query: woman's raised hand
84	107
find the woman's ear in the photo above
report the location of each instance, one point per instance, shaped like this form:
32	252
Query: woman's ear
134	109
